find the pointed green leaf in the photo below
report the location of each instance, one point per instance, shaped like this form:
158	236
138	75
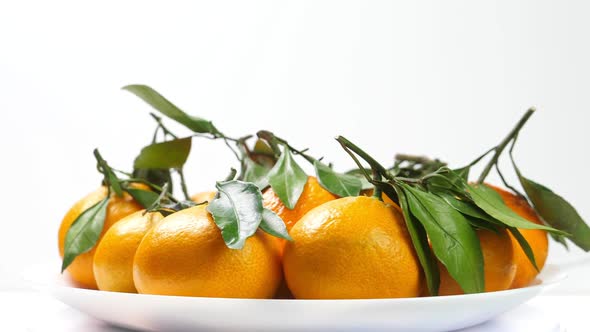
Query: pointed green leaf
274	225
561	240
524	244
420	242
256	173
157	176
237	211
165	107
365	184
554	207
463	172
287	179
454	241
145	198
449	181
261	147
84	232
491	202
339	184
169	154
466	208
557	212
482	224
263	154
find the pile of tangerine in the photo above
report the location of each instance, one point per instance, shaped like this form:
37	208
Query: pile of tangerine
342	248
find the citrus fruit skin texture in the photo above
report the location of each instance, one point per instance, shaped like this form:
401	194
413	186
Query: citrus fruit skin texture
113	260
537	239
203	196
499	265
81	270
352	248
185	255
313	195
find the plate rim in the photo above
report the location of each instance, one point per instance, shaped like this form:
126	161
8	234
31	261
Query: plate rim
552	275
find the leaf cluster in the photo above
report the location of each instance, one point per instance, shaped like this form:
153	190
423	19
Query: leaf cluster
237	208
443	211
85	230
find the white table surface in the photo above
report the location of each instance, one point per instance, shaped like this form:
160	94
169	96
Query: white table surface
28	311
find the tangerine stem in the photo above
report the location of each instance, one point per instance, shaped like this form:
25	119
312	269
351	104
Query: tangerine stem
183	184
377	192
374	163
357	162
151	186
500	147
271	137
161	125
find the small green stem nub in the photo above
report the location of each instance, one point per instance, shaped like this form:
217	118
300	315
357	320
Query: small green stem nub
500	148
231	175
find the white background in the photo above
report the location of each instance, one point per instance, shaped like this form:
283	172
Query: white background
441	78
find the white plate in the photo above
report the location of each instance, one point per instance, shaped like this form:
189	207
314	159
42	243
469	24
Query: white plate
174	313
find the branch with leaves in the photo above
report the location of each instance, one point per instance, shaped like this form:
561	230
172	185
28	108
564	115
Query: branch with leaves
442	208
84	232
237	208
270	162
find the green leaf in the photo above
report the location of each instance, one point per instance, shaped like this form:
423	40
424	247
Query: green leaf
449	181
256	173
161	104
339	184
482	224
263	154
287	179
237	211
466	208
145	198
420	242
110	177
562	214
169	154
524	244
557	212
454	241
261	147
358	171
560	239
463	172
157	176
84	232
274	225
491	202
365	184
